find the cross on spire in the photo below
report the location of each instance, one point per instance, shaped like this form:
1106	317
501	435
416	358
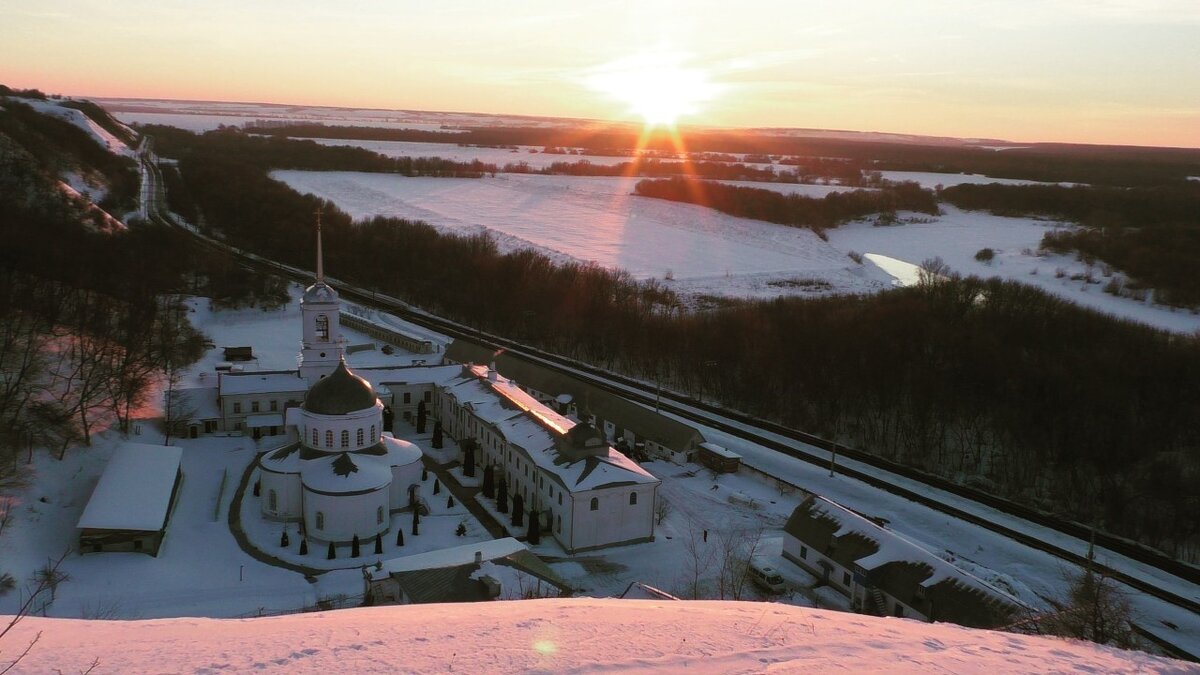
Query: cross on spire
320	257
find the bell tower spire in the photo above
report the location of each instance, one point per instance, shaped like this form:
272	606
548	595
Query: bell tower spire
320	255
322	347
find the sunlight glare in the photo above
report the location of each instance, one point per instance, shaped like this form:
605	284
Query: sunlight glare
657	86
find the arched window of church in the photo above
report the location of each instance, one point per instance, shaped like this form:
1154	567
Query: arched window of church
315	439
360	436
345	438
374	438
595	504
320	520
329	438
272	500
379	514
633	499
322	328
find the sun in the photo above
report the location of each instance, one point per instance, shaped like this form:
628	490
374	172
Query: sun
657	86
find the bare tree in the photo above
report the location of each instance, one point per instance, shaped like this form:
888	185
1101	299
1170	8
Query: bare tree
46	579
736	547
700	555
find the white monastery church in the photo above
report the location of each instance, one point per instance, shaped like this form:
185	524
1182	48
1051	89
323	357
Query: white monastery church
341	473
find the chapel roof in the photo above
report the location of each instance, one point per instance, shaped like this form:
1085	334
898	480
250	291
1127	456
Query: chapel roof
339	393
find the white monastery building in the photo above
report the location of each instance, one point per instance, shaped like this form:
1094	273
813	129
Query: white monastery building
341	473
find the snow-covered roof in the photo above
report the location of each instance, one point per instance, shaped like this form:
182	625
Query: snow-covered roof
345	472
527	423
134	492
720	450
378	377
450	557
892	548
199	403
400	452
232	384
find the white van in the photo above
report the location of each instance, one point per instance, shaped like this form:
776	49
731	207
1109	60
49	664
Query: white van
767	577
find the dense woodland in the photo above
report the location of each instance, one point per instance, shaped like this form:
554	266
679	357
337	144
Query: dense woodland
1150	233
91	320
989	382
793	210
1051	162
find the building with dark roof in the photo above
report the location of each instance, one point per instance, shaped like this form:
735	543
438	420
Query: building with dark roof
885	574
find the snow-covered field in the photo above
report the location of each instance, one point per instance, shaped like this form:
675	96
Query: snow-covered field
706	252
562	636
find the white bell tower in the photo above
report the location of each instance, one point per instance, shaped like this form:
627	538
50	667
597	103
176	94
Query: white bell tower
322	347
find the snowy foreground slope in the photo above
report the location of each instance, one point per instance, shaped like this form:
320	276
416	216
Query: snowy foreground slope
572	635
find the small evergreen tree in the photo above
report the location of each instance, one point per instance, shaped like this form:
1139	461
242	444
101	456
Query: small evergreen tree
399	537
534	536
283	540
379	544
332	552
354	552
304	546
469	461
502	496
416	522
257	488
421	417
437	486
449	501
489	482
424	474
437	435
518	510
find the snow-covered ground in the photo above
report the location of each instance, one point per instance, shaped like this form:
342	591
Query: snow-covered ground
706	252
76	117
558	636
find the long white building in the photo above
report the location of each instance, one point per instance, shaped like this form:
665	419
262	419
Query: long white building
587	493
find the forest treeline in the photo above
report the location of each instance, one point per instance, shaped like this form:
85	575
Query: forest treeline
1049	162
1150	233
989	382
285	153
843	173
794	210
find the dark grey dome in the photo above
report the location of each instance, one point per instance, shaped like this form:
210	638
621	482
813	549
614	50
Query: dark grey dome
340	393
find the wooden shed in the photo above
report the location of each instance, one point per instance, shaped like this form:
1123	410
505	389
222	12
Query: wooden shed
132	502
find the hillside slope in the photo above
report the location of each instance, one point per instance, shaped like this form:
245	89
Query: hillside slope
572	635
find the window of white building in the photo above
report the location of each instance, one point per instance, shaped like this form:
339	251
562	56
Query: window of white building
329	438
379	514
272	501
322	328
633	499
345	438
595	504
360	437
320	520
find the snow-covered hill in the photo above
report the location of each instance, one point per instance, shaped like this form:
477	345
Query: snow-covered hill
571	635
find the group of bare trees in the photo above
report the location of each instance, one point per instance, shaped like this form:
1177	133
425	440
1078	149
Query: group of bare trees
72	359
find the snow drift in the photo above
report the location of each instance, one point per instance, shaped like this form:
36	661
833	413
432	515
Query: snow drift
572	635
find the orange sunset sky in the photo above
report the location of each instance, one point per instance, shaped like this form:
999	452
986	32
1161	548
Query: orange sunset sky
1092	71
